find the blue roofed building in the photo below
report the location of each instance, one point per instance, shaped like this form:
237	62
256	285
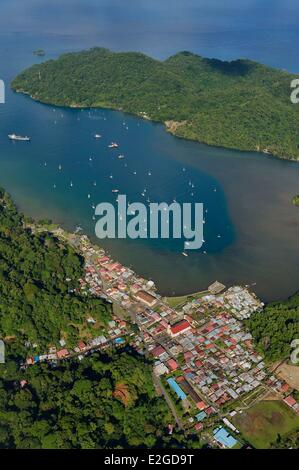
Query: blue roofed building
201	416
177	389
224	438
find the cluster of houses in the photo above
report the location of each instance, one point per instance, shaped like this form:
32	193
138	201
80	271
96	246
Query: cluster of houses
284	390
217	360
237	300
109	279
116	333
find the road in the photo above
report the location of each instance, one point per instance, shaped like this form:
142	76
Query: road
160	386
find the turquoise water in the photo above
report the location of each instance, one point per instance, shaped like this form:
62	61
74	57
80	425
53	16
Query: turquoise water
251	228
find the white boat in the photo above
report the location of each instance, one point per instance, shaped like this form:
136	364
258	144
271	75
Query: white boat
19	137
121	157
115	190
113	145
97	136
185	254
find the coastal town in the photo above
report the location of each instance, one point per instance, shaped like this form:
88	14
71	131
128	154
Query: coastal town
204	361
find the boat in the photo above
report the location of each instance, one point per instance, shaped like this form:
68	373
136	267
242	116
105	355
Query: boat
115	190
184	254
97	136
121	157
113	145
19	138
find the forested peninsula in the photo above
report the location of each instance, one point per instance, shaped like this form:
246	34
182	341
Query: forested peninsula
240	104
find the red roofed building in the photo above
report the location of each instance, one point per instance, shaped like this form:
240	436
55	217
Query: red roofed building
81	345
187	355
290	400
157	351
198	363
284	388
172	364
62	353
209	411
201	405
198	426
179	328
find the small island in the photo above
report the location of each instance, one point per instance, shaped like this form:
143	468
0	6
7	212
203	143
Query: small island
295	200
241	104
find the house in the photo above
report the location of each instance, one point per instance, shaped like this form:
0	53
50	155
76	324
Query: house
160	369
201	405
62	353
179	328
201	416
290	400
284	388
172	364
158	351
81	345
198	426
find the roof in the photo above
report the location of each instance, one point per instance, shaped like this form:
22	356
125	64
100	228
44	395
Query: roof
290	400
224	438
180	326
62	353
198	426
176	388
201	416
172	364
146	297
158	351
201	405
284	388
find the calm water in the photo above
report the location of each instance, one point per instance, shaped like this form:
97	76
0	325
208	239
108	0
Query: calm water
251	228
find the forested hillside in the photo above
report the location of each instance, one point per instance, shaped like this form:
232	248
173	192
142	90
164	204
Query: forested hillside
239	104
103	402
276	327
38	281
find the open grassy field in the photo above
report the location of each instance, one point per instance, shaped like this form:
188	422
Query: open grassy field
180	301
261	424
